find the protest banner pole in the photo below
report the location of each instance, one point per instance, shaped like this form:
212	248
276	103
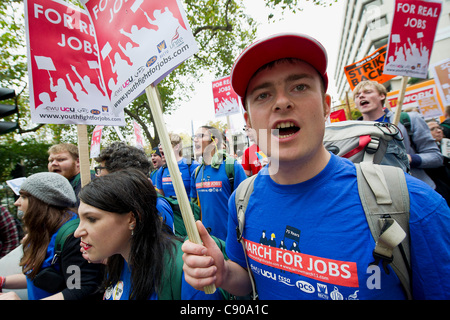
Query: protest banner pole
347	104
401	96
180	191
83	153
229	136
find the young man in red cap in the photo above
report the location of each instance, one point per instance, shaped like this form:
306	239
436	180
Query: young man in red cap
320	243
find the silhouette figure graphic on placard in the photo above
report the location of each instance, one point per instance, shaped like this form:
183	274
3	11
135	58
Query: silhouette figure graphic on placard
81	96
409	55
138	50
63	95
44	97
81	92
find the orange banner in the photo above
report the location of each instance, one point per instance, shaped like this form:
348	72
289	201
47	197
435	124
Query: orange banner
369	68
424	96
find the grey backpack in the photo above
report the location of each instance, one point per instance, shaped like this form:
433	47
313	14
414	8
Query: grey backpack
377	142
385	199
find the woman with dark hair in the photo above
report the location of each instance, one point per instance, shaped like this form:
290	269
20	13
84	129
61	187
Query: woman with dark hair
119	222
46	199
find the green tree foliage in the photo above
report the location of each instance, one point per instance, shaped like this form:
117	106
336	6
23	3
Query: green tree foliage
13	64
31	154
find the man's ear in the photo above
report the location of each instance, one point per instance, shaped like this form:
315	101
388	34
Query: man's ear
248	121
326	106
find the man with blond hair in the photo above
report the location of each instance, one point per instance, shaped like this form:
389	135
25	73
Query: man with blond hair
369	97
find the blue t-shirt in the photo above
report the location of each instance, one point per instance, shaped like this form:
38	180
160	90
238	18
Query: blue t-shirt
154	175
311	240
164	180
214	189
121	290
165	211
35	293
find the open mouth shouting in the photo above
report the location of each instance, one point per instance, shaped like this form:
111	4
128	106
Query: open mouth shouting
285	129
363	103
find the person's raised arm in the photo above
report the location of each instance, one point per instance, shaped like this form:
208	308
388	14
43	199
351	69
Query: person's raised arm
205	265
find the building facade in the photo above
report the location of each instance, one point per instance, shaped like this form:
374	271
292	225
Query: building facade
366	27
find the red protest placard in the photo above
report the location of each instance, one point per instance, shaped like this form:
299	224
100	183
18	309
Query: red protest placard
369	68
65	80
338	115
138	135
412	37
139	43
226	101
95	142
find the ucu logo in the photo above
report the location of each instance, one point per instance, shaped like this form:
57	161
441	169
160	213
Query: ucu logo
268	274
67	109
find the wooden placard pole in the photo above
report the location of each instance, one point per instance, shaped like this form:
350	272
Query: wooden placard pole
347	104
83	153
230	137
401	96
180	191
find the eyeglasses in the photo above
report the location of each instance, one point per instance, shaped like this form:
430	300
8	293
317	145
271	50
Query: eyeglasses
98	169
198	136
437	128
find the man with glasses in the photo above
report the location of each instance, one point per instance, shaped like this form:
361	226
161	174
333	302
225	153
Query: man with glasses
211	184
118	156
438	135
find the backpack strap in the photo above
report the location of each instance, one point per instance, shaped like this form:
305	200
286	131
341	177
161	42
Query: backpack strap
242	196
384	196
405	119
172	275
66	230
445	125
229	168
197	170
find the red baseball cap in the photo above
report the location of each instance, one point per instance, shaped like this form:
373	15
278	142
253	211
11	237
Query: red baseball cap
275	47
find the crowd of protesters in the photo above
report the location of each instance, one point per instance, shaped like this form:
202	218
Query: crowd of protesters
125	245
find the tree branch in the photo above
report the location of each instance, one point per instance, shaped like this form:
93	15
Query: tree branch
32	129
143	125
228	27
